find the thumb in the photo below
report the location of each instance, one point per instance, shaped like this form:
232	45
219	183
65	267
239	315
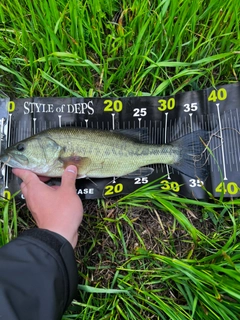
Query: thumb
69	177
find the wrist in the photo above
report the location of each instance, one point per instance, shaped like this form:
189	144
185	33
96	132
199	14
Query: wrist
71	237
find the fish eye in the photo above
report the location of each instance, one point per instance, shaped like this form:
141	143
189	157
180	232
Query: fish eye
20	147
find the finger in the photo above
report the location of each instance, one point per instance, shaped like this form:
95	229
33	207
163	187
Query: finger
69	177
55	187
24	189
25	175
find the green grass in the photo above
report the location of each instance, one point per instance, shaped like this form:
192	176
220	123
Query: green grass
84	48
148	255
8	221
172	271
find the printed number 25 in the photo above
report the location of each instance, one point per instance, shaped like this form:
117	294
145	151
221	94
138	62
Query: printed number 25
139	112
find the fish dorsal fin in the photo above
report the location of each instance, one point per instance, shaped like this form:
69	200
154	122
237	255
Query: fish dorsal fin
139	134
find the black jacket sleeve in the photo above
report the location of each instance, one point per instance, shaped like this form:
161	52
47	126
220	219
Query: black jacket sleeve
38	276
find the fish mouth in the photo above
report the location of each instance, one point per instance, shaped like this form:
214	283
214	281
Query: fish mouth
14	161
5	159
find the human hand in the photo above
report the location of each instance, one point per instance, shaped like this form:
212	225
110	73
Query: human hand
58	208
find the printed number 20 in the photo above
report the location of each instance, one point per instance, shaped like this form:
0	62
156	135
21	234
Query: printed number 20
111	106
112	189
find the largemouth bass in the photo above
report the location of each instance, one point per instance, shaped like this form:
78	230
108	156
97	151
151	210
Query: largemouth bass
101	154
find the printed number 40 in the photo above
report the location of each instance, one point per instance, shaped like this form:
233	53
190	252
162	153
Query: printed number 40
230	187
220	94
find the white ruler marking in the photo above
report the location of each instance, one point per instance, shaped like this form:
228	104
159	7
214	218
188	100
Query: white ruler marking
222	147
165	141
191	122
139	122
34	125
113	121
8	145
2	132
60	121
2	138
9	129
235	134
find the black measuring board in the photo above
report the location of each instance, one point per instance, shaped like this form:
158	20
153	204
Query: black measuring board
215	110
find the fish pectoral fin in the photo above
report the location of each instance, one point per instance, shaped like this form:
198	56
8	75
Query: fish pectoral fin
81	176
82	163
139	173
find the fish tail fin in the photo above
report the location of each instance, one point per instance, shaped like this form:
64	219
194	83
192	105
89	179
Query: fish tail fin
193	156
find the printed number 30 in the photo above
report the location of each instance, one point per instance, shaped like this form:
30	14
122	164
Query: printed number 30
166	104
